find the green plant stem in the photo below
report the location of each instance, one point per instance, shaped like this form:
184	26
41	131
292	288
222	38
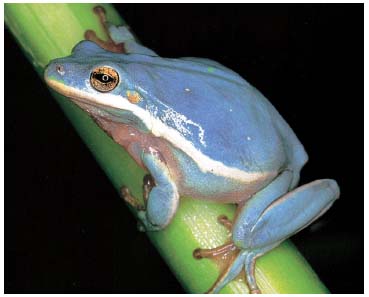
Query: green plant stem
47	31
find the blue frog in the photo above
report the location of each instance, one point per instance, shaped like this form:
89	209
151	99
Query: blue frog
200	130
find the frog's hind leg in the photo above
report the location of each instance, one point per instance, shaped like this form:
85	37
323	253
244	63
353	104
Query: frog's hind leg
227	252
272	216
227	275
110	44
243	259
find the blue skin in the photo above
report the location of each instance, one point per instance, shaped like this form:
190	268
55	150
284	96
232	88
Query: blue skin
216	112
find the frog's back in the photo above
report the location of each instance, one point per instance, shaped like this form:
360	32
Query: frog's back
218	112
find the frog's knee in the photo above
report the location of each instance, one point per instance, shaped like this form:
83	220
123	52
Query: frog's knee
333	187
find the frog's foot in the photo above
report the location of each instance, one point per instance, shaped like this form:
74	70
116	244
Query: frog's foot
214	252
144	224
238	260
148	184
233	259
120	39
110	44
222	219
127	197
160	192
225	248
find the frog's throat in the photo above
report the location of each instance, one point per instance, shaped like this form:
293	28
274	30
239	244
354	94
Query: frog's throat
160	129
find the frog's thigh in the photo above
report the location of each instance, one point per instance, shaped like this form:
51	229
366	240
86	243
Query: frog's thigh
270	217
254	207
163	199
292	212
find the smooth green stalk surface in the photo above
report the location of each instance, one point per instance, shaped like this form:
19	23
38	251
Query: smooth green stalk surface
48	31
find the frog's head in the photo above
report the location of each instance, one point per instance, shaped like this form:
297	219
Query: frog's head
95	80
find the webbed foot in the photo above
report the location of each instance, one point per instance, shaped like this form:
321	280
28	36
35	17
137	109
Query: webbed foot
233	260
226	248
234	263
127	197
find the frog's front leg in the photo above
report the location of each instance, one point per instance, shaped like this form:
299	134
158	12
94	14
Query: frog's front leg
160	193
271	216
120	39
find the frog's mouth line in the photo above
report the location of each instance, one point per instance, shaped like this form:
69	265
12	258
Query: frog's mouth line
75	94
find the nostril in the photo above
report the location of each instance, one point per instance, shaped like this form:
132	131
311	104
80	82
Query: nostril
60	69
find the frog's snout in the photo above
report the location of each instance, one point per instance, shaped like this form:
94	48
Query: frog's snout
55	75
54	71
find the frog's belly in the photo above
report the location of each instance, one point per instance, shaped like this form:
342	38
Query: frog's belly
192	181
189	178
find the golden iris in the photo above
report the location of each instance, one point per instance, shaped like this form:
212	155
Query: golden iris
104	79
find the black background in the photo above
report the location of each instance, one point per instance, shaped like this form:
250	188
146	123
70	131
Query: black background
66	230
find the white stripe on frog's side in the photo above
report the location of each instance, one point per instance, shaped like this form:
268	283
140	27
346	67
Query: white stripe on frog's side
180	121
159	129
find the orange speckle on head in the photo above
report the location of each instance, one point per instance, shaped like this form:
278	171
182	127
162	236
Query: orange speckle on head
133	97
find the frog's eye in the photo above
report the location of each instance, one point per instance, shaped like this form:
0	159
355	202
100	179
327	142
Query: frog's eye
104	79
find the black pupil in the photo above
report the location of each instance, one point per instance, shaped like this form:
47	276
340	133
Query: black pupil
104	78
